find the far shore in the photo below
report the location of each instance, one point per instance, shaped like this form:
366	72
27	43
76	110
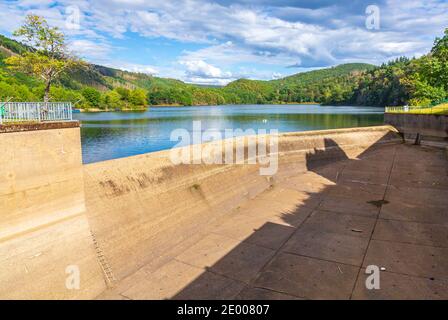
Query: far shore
93	110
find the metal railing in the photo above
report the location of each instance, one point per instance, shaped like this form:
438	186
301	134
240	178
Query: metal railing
35	111
438	109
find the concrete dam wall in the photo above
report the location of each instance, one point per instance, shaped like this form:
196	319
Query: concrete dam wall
43	222
112	218
431	129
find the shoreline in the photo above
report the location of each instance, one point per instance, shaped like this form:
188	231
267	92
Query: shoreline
96	110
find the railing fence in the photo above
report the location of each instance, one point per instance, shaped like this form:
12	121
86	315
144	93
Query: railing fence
417	109
35	111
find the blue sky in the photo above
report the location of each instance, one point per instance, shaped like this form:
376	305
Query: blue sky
215	42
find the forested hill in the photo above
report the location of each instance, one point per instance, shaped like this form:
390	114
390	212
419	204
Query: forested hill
310	86
416	81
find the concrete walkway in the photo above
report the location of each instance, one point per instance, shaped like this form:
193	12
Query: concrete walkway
312	235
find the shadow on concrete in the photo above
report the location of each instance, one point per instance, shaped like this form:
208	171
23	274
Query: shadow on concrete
310	253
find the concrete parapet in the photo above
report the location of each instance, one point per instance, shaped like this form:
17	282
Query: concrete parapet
34	126
43	225
427	128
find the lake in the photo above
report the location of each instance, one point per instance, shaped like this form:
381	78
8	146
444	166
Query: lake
110	135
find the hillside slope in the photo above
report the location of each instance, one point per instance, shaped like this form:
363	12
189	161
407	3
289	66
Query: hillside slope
321	86
331	85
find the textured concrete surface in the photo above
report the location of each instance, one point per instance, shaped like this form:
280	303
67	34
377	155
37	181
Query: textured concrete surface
43	222
427	129
432	125
145	210
144	228
311	235
35	126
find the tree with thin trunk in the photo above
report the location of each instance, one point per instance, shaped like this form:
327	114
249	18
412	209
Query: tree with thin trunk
48	57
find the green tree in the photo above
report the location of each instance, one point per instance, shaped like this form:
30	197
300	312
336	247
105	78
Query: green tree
138	97
124	93
440	48
92	96
112	99
63	94
48	58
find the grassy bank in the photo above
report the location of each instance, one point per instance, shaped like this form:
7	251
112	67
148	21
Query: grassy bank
437	109
93	110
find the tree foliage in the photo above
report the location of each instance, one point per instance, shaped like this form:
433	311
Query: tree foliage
47	58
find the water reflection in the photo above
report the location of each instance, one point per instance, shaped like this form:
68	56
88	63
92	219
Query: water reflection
111	135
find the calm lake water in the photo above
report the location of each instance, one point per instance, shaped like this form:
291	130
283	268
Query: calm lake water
110	135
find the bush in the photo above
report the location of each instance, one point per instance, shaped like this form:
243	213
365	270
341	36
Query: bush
112	100
65	95
124	93
15	92
420	102
138	97
92	96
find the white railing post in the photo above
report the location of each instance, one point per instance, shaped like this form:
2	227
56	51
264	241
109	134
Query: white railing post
35	111
2	110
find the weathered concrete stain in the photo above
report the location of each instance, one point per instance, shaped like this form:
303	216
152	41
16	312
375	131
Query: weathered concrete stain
158	202
144	210
43	222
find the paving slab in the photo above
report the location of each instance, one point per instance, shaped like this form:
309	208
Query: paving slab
410	155
239	227
177	280
331	172
419	177
270	235
260	232
308	278
287	195
379	166
401	287
309	235
412	232
269	208
266	210
358	190
418	196
292	218
164	283
328	246
310	182
366	176
409	259
251	293
414	212
347	224
346	205
210	286
237	260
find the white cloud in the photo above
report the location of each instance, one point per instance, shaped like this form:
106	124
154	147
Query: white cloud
229	53
208	81
132	67
204	69
276	75
270	33
93	51
199	71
